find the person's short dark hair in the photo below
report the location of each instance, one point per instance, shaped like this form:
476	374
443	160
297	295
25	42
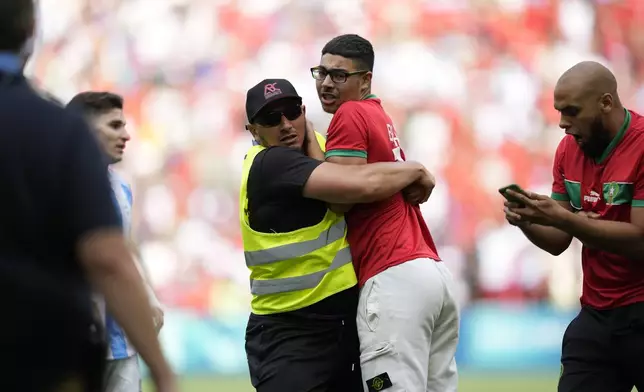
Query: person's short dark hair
354	47
17	19
91	103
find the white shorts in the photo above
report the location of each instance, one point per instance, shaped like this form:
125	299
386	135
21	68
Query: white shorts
122	375
408	322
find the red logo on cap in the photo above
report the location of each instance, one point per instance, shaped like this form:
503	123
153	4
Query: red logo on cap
271	90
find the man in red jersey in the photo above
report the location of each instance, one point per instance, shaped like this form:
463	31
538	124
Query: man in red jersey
599	174
408	318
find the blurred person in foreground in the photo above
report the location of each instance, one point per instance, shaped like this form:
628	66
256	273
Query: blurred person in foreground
598	198
55	341
408	320
104	113
59	220
301	334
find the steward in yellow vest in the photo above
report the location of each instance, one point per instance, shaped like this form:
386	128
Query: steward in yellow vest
301	333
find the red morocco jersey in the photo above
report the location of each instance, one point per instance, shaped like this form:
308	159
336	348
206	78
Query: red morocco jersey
609	186
385	233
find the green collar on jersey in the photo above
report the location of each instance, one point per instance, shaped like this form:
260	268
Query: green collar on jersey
370	96
618	138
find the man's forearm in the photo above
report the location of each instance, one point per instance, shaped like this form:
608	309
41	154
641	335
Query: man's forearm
314	151
138	260
154	301
621	238
145	274
550	239
383	180
127	300
349	184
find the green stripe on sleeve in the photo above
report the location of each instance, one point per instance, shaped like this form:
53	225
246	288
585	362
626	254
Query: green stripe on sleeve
637	203
346	153
559	196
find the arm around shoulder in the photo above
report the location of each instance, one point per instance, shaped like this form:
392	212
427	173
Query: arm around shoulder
335	183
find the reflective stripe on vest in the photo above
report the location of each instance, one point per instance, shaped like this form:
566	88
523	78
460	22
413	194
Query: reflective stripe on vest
290	251
273	286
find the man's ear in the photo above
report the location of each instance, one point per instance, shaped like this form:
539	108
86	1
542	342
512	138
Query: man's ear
366	82
253	131
606	103
303	109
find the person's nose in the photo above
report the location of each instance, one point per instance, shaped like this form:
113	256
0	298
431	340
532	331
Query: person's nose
285	125
564	123
327	83
125	135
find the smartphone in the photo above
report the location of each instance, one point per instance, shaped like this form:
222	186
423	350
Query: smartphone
513	187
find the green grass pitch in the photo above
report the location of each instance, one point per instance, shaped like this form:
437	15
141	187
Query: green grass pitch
468	383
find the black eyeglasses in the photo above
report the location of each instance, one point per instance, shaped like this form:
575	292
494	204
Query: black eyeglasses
337	75
274	118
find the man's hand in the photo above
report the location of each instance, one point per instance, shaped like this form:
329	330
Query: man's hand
158	318
513	218
312	146
311	138
536	208
310	131
419	191
589	214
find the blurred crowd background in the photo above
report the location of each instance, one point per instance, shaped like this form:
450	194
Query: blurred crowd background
468	83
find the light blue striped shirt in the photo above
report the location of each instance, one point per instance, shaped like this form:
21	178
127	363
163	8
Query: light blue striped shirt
119	346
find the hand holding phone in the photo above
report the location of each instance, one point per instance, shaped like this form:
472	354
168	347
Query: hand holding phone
510	198
510	216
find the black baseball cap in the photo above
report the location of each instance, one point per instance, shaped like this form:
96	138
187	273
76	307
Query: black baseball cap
267	91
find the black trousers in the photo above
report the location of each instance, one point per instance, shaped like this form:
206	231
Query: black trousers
603	351
303	353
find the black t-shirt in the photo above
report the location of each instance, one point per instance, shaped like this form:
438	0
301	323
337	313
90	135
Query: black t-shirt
55	186
276	205
275	185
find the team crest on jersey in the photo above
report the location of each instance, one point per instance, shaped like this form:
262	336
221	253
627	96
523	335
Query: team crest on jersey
617	193
611	192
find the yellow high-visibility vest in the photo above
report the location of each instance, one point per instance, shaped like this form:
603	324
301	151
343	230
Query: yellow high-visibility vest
290	271
321	141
